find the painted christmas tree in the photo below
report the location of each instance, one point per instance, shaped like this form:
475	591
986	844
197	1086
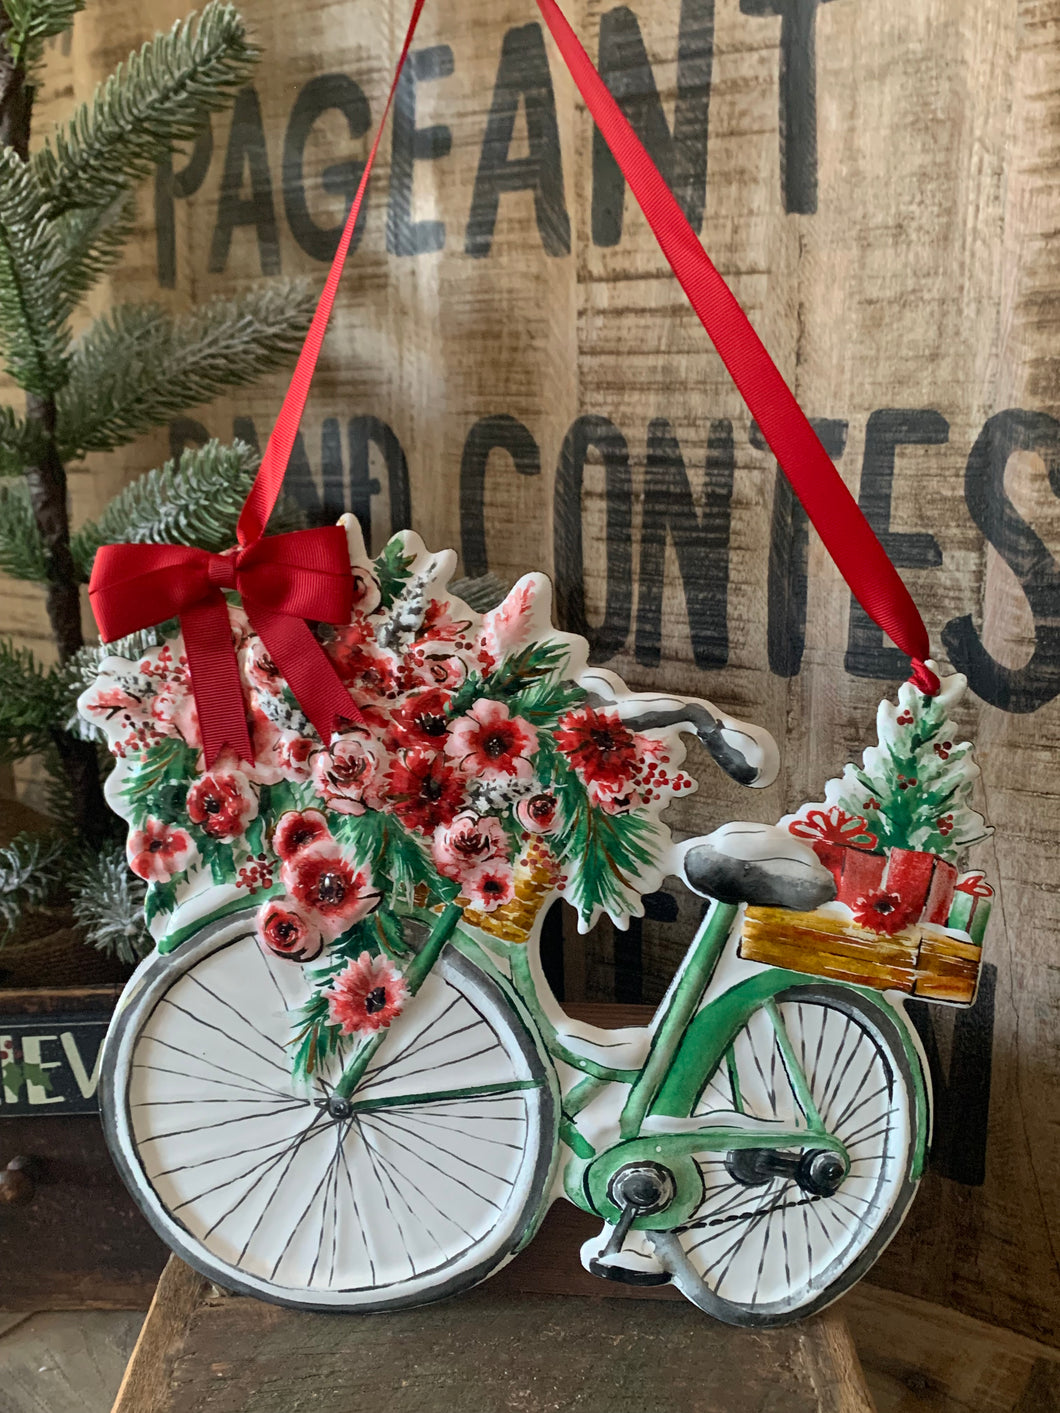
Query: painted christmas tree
913	790
892	829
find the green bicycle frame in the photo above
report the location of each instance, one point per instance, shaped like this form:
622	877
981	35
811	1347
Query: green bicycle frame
690	1041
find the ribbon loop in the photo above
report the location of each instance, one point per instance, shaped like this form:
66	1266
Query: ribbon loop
283	580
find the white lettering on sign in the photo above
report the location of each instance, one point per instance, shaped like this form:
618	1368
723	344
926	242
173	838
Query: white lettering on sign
86	1082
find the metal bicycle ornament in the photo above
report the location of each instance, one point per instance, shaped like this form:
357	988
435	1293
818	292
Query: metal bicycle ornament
342	1082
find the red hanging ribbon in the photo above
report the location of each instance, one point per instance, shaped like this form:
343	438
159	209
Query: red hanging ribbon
847	535
288	578
282	579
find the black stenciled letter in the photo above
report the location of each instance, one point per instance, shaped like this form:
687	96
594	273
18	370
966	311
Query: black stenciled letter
412	144
798	98
499	433
523	74
168	186
320	94
246	148
610	636
364	432
789	544
962	1091
701	543
1019	689
867	654
681	156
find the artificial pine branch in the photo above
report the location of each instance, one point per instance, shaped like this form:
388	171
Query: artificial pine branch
138	366
19	443
193	501
30	703
22	553
31	869
160	96
33	21
34	307
108	903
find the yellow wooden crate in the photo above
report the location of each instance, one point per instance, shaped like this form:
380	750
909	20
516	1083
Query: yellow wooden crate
922	960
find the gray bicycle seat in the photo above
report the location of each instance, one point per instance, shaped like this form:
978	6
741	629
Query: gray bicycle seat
759	864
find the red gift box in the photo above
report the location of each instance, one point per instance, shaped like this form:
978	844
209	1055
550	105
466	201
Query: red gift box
923	881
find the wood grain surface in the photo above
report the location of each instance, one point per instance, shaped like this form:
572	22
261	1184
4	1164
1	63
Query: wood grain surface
878	181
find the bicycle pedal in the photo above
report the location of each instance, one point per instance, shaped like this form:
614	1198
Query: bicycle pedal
632	1265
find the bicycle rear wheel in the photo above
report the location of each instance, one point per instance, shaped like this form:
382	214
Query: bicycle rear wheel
432	1181
770	1252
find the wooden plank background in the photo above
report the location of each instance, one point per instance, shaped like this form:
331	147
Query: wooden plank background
878	181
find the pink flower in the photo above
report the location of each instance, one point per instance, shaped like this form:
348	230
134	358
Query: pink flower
616	798
422	668
489	744
360	662
344	773
538	814
222	803
158	851
110	702
468	842
262	672
297	830
490	885
366	996
284	930
329	888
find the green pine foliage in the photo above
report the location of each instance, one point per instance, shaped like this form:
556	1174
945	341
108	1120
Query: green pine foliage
34	21
31	870
108	902
30	703
138	366
194	500
159	97
66	214
22	553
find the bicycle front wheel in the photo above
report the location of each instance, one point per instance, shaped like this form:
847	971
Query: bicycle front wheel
766	1252
431	1182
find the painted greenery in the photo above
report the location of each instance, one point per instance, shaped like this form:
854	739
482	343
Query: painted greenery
483	759
912	790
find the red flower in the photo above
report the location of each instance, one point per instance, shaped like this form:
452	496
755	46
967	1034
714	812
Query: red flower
599	747
490	885
297	830
468	842
538	814
366	996
425	791
346	772
423	720
157	851
882	912
360	662
491	745
329	888
834	826
222	803
283	930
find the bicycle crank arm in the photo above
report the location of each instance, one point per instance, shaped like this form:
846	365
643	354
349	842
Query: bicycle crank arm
765	1145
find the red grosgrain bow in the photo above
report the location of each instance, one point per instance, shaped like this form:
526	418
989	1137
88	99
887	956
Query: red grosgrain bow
282	579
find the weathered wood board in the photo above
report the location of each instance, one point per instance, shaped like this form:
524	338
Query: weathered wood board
485	1353
513	369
